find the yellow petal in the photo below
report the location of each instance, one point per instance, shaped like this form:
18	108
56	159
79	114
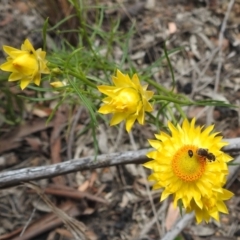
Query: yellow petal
141	116
10	50
40	53
148	94
155	143
226	194
215	215
117	118
221	207
27	46
199	216
24	83
37	78
147	106
14	77
148	164
105	109
8	67
44	69
165	194
123	80
108	90
129	123
135	79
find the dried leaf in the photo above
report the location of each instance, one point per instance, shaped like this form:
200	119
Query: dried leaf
13	139
172	216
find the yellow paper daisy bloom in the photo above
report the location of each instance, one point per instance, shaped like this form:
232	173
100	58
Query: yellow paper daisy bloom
127	100
26	64
188	163
211	207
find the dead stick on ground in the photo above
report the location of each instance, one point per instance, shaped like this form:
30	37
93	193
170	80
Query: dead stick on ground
16	177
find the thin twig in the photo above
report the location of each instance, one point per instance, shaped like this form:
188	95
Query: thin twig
119	137
155	214
29	221
176	229
146	228
143	173
220	42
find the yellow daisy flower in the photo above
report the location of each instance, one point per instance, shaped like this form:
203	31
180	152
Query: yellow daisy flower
26	64
127	100
211	207
188	164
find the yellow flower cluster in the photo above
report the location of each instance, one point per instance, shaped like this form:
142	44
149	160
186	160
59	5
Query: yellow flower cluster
26	64
190	165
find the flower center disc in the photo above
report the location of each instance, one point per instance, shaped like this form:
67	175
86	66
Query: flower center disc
187	165
126	100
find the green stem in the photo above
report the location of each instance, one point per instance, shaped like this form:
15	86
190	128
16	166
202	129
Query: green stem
85	80
170	65
170	99
173	119
158	86
51	65
74	74
180	111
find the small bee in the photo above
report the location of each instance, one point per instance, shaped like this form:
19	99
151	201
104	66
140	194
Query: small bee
203	152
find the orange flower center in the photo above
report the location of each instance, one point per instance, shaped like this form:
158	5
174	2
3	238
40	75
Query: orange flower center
126	100
187	165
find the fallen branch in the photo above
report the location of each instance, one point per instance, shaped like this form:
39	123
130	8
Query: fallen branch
16	177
